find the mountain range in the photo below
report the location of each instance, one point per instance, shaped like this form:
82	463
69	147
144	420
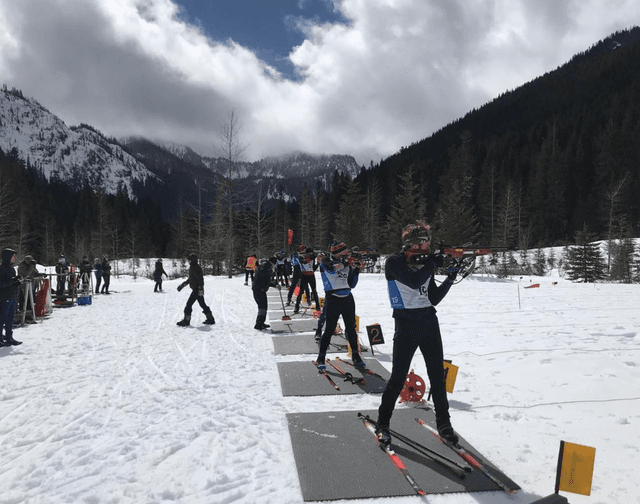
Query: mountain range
81	156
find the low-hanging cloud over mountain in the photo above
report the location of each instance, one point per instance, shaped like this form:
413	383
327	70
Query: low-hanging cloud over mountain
391	74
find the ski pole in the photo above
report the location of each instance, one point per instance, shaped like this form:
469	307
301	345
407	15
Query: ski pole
459	469
286	317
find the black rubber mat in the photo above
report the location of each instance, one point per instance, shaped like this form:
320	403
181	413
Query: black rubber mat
301	378
337	457
305	344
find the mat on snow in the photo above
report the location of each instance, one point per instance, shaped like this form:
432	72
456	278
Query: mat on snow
301	378
306	344
337	457
295	325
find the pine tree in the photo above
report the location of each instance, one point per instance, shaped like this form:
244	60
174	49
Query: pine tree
584	260
622	253
409	206
457	223
351	216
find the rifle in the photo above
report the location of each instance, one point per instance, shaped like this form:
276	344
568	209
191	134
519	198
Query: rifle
462	260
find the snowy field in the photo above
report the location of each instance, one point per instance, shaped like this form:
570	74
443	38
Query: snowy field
113	403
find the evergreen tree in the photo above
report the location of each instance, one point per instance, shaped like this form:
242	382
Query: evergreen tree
539	266
457	223
409	206
584	260
622	253
351	216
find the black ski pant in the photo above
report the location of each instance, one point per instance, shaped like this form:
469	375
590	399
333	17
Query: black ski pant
307	281
335	306
295	280
7	314
408	337
105	286
98	282
192	299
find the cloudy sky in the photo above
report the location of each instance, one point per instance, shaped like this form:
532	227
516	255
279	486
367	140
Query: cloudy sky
359	77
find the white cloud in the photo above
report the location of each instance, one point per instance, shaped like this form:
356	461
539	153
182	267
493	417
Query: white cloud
399	70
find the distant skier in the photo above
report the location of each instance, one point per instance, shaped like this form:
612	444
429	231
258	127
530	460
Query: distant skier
250	265
308	267
106	275
196	282
157	276
62	269
263	280
9	288
85	275
97	269
413	294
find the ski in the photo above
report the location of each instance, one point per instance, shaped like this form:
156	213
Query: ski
458	469
326	375
367	370
466	456
393	457
347	376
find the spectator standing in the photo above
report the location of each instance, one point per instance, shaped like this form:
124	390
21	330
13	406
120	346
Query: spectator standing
9	288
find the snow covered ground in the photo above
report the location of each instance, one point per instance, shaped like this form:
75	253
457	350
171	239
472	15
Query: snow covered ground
113	403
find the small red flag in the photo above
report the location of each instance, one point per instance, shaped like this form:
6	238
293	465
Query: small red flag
290	237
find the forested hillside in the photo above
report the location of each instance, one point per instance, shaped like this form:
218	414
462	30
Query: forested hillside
536	164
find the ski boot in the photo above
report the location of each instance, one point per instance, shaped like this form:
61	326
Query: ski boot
11	342
358	362
210	320
383	434
446	431
322	367
185	321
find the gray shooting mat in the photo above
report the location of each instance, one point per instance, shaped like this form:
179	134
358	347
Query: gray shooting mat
305	344
301	378
337	457
295	325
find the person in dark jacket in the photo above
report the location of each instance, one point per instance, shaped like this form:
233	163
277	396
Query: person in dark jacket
157	276
85	275
62	270
27	270
97	269
338	278
414	294
196	282
264	279
9	288
106	275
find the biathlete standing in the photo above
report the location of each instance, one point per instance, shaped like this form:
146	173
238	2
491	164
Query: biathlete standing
338	278
414	294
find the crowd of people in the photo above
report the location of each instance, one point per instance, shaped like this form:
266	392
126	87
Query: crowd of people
413	295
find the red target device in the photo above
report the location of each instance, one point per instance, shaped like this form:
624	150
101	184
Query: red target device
413	390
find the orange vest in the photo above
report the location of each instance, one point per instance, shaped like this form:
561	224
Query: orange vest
251	263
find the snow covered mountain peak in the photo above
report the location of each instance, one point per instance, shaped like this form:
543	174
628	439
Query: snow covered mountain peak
81	156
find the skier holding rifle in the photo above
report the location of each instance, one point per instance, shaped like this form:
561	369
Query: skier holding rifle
413	294
338	278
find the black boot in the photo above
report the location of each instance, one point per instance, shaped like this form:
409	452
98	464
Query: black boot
210	320
446	431
185	321
9	341
384	436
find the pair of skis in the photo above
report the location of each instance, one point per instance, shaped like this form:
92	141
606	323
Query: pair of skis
348	377
460	469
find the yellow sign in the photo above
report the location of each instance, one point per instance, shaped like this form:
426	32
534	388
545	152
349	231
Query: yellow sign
451	372
575	468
